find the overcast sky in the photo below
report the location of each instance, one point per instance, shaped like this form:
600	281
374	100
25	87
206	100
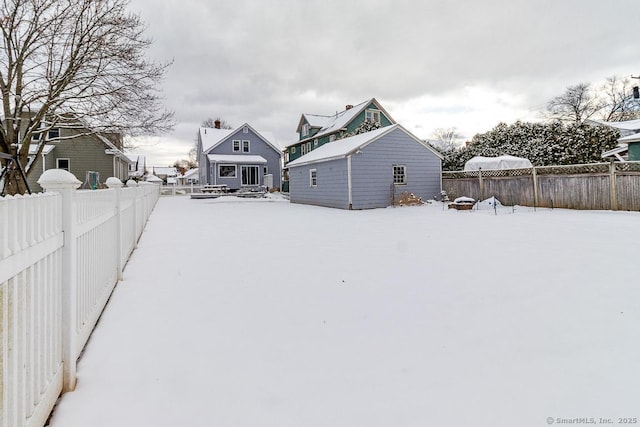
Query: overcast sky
431	63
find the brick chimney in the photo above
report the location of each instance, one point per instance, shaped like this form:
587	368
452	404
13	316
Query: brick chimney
348	107
217	123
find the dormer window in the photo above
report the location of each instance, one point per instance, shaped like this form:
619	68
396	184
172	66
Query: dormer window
372	115
305	129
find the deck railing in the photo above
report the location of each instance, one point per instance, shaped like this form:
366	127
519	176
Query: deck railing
61	254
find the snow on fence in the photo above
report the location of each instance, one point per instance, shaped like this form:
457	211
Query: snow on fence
604	186
61	254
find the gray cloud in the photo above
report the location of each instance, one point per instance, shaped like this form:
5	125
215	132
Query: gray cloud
265	62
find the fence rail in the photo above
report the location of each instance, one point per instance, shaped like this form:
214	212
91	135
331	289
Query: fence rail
61	254
608	186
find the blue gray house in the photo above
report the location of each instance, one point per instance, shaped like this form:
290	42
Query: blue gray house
241	157
366	171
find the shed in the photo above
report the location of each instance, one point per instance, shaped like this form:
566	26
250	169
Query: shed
366	171
497	163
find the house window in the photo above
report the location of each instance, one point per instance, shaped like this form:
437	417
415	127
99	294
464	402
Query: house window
286	157
245	129
227	171
35	137
313	177
236	145
54	133
308	146
63	164
332	138
372	116
293	150
303	149
265	171
399	174
305	129
245	146
315	143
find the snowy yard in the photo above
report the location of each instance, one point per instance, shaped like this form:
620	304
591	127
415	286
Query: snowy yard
264	313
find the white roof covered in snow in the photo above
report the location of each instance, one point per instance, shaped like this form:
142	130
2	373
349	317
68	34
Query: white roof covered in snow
236	158
190	173
343	147
496	163
628	125
630	138
212	137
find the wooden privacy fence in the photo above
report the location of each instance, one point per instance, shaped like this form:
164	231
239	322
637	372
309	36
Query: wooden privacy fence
603	186
61	254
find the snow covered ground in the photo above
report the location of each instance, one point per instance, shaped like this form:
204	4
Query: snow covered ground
264	313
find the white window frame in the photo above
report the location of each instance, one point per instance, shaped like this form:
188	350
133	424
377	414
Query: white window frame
303	149
305	129
245	129
315	143
313	177
293	150
372	115
332	138
397	175
243	175
236	148
68	168
246	144
235	170
56	130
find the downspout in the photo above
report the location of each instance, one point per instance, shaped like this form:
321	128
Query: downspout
44	166
349	183
114	166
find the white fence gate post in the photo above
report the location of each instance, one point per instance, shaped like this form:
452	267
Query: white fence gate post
63	182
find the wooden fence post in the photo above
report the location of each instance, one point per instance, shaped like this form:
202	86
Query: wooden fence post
612	186
536	201
481	184
63	182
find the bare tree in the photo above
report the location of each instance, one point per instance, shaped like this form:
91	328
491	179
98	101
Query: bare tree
575	105
618	102
79	63
445	139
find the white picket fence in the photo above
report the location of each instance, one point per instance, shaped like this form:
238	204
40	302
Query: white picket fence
61	254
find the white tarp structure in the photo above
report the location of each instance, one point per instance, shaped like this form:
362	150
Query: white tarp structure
493	163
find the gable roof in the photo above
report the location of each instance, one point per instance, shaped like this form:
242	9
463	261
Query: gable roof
212	137
331	124
344	147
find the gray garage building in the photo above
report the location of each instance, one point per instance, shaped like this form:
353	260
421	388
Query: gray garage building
366	170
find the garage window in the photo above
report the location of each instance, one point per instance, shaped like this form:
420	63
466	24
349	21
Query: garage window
313	178
399	174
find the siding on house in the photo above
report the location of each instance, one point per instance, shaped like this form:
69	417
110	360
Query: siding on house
331	189
85	153
634	151
372	171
